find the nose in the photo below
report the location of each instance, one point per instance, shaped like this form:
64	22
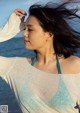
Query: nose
25	33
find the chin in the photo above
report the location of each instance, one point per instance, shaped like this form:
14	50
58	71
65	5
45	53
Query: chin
29	48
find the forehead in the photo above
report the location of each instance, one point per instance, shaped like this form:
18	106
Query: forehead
32	21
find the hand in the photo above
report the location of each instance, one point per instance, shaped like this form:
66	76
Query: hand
22	13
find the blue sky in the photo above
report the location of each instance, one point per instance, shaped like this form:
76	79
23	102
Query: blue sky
8	6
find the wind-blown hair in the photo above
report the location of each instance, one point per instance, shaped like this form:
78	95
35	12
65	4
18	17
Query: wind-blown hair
53	18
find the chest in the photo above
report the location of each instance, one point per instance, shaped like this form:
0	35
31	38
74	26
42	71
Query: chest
56	93
50	67
35	88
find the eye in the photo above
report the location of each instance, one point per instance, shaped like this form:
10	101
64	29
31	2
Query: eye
24	29
30	30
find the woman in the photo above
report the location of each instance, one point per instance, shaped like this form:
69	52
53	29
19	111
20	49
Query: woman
46	87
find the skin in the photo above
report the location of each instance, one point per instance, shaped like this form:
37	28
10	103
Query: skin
35	38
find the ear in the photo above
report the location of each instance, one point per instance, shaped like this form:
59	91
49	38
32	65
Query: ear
51	34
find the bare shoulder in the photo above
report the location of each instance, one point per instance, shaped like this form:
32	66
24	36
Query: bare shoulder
74	64
75	60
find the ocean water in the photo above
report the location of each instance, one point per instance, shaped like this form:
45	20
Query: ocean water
12	48
15	47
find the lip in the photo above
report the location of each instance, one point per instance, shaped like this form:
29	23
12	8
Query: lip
26	41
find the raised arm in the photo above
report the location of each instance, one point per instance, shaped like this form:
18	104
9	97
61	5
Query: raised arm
14	25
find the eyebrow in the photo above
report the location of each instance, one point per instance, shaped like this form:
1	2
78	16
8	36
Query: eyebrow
29	25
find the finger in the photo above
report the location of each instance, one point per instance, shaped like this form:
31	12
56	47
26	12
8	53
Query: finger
19	14
20	11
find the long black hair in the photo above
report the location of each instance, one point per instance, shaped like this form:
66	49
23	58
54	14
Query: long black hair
53	17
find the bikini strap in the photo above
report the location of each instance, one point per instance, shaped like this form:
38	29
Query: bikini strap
58	65
57	62
33	61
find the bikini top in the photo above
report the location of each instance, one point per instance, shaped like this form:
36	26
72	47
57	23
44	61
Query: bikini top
57	62
62	99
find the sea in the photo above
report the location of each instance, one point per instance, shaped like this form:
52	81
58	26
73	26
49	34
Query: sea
13	48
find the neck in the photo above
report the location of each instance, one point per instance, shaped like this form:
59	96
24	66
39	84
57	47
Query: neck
44	55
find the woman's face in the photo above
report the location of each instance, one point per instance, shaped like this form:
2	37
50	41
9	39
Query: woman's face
34	36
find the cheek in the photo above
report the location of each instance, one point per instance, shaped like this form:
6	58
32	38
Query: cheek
36	38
